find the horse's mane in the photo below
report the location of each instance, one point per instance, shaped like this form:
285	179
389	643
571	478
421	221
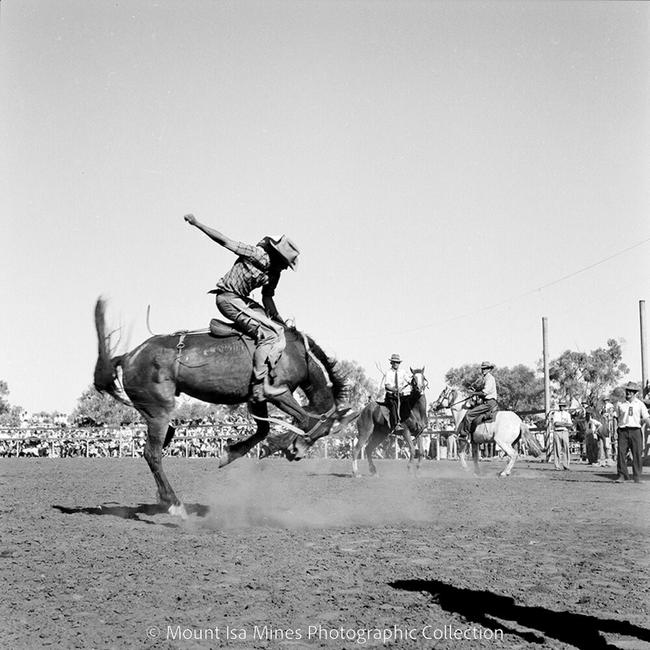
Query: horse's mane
336	377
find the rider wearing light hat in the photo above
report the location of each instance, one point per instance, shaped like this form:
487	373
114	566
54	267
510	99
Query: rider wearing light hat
486	392
397	384
256	266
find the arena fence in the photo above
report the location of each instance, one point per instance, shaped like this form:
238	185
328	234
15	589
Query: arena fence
202	441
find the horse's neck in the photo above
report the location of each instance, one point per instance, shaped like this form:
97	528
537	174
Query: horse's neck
459	413
319	397
459	409
414	397
419	407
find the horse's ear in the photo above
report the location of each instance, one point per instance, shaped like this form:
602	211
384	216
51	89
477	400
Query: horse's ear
411	369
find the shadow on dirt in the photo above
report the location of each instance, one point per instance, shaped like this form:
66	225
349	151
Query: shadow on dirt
335	474
482	607
132	512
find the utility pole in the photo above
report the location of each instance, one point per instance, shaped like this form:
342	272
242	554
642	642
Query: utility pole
644	369
547	385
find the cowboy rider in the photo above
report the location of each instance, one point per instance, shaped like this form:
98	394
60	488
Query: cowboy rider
256	266
397	385
486	393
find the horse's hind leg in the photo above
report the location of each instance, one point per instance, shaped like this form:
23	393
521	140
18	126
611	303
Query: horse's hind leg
373	442
509	450
356	454
364	429
157	431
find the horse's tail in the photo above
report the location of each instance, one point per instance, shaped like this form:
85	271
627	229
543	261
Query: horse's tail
106	368
531	440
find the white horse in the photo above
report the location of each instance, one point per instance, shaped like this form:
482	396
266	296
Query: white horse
504	430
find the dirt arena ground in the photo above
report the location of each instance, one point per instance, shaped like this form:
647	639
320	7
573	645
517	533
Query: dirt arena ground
302	555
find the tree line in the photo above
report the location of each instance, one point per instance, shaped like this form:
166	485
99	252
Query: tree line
587	377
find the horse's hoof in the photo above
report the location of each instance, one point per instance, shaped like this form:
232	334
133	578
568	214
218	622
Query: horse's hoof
503	475
297	449
178	511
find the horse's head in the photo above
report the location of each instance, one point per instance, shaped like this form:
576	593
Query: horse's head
446	399
419	382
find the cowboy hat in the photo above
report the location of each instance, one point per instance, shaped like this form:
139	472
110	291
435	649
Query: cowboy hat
487	365
631	386
287	249
395	358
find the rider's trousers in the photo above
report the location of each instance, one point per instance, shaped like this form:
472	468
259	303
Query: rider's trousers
250	318
476	412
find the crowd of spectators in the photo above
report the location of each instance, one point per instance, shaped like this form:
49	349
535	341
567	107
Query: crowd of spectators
197	439
206	439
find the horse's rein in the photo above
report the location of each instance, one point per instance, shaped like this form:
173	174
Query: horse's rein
440	406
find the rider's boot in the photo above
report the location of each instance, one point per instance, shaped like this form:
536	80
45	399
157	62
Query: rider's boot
258	392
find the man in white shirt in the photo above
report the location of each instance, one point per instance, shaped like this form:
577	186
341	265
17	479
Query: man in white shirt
561	424
487	395
630	415
397	385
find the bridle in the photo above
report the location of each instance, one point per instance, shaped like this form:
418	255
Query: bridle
448	394
418	381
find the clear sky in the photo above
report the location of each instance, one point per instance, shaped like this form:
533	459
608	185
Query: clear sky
452	173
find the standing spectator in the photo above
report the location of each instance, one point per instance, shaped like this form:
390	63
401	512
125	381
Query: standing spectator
630	415
452	446
608	430
560	424
592	435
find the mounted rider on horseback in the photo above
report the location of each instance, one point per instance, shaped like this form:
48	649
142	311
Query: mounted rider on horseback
486	394
256	266
397	385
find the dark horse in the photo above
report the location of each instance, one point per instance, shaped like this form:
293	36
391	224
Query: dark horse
373	426
217	368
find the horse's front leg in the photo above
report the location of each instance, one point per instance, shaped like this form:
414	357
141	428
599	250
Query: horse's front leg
314	426
241	448
409	441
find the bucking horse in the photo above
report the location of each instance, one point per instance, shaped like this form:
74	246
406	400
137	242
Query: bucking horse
216	366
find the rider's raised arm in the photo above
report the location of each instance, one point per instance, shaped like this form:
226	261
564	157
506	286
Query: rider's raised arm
213	234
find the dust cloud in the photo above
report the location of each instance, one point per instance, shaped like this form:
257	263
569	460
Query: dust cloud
271	493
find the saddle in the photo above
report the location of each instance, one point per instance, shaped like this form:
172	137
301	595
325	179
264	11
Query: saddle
220	329
483	432
385	413
483	427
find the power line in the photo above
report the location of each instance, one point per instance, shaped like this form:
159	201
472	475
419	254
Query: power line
517	297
